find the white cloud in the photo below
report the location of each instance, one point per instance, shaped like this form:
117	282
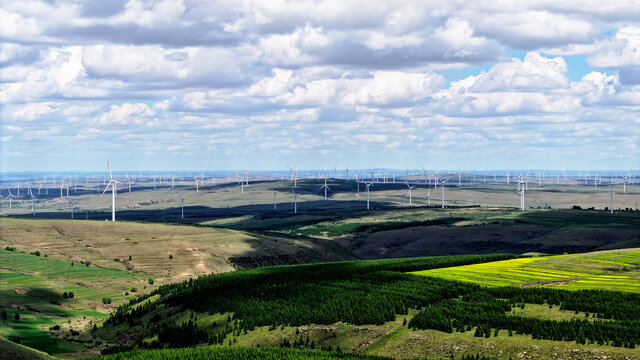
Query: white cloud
622	50
382	88
32	111
533	73
58	72
290	49
125	114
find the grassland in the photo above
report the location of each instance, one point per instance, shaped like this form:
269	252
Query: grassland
214	201
145	248
617	270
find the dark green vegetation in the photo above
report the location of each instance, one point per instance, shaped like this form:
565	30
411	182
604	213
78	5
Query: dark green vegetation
358	306
458	231
488	309
370	292
14	351
236	354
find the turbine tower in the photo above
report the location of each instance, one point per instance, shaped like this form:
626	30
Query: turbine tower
275	204
521	192
368	185
410	187
442	182
611	189
295	202
325	187
181	204
10	196
113	183
428	198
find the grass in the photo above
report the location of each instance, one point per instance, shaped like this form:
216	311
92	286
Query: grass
195	250
617	270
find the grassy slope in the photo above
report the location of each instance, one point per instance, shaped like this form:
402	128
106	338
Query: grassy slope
427	232
195	250
617	270
396	340
33	285
13	351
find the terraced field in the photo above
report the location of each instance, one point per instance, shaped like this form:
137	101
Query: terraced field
617	270
33	286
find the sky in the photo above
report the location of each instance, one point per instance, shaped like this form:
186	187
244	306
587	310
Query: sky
205	85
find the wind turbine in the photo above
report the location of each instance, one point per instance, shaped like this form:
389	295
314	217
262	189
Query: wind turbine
129	181
325	187
275	204
113	183
10	196
295	202
521	192
611	189
347	172
410	187
428	198
624	183
442	182
469	199
368	185
33	210
425	175
181	204
404	197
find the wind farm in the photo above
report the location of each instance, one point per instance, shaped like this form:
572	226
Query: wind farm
319	180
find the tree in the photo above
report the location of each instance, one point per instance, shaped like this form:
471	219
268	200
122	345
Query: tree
16	316
4	315
65	295
71	295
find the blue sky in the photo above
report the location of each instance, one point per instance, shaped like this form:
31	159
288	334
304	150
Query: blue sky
187	85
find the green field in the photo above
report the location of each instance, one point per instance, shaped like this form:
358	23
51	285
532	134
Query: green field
617	270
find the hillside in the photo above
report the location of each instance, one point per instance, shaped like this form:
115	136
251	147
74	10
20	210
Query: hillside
617	270
145	247
375	307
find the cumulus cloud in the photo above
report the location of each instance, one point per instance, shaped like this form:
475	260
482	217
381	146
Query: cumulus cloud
125	114
339	78
622	50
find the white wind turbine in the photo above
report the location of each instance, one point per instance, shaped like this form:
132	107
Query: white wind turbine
442	182
520	191
368	185
428	198
33	209
113	183
410	187
426	176
181	204
404	197
624	183
295	202
10	196
611	189
325	187
275	204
